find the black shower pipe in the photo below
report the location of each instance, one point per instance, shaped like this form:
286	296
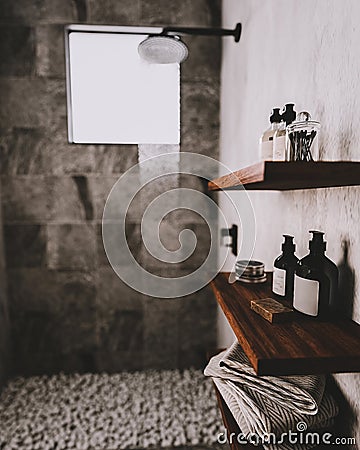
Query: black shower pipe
169	31
236	32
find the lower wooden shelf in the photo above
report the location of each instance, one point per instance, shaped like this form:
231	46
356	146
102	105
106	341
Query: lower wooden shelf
303	346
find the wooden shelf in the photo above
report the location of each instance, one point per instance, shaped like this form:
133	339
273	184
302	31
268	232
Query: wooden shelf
303	346
280	176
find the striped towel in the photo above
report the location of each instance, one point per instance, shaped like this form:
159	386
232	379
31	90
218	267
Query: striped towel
264	405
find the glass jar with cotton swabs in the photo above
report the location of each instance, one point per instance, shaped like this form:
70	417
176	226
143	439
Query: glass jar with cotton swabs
302	139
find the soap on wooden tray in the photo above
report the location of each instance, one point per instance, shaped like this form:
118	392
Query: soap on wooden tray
272	310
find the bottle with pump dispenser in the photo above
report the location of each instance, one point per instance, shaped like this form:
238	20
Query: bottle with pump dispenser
284	269
266	140
316	281
279	146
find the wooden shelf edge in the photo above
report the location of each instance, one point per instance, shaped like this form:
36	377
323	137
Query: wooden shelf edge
247	175
303	346
240	337
281	175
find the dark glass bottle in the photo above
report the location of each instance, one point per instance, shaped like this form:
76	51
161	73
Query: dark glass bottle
289	115
284	269
316	280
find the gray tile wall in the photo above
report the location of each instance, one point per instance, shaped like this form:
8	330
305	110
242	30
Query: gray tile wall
68	310
4	316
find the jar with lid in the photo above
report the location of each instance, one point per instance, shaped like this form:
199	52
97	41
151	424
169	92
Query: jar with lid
302	139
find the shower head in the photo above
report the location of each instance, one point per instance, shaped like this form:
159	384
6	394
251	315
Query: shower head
162	49
167	48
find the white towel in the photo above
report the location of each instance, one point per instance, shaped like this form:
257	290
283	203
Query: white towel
264	405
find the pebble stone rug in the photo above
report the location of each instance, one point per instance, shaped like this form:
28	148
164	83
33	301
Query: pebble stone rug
152	409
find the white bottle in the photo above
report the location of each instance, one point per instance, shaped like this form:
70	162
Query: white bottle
279	146
266	140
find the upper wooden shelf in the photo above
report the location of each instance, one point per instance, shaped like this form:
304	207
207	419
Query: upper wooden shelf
302	347
280	176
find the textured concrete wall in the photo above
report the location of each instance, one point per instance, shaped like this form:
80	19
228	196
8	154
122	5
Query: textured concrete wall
306	52
4	317
69	311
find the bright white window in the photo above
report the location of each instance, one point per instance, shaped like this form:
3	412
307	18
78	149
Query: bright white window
113	95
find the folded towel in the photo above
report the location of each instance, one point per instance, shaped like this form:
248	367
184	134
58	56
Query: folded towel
270	405
273	420
301	394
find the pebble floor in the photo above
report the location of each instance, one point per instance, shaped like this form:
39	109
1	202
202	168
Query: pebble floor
154	409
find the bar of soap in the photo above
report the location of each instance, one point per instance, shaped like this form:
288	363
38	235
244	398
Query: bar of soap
272	310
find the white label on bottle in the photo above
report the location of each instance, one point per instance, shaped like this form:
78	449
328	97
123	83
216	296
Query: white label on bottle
306	296
279	281
279	148
267	150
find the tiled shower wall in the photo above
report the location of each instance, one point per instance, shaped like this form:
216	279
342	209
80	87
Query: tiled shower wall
4	318
68	310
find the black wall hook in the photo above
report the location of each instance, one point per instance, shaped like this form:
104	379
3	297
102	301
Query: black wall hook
233	233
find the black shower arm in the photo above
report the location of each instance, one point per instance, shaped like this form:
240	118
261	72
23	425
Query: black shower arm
236	32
